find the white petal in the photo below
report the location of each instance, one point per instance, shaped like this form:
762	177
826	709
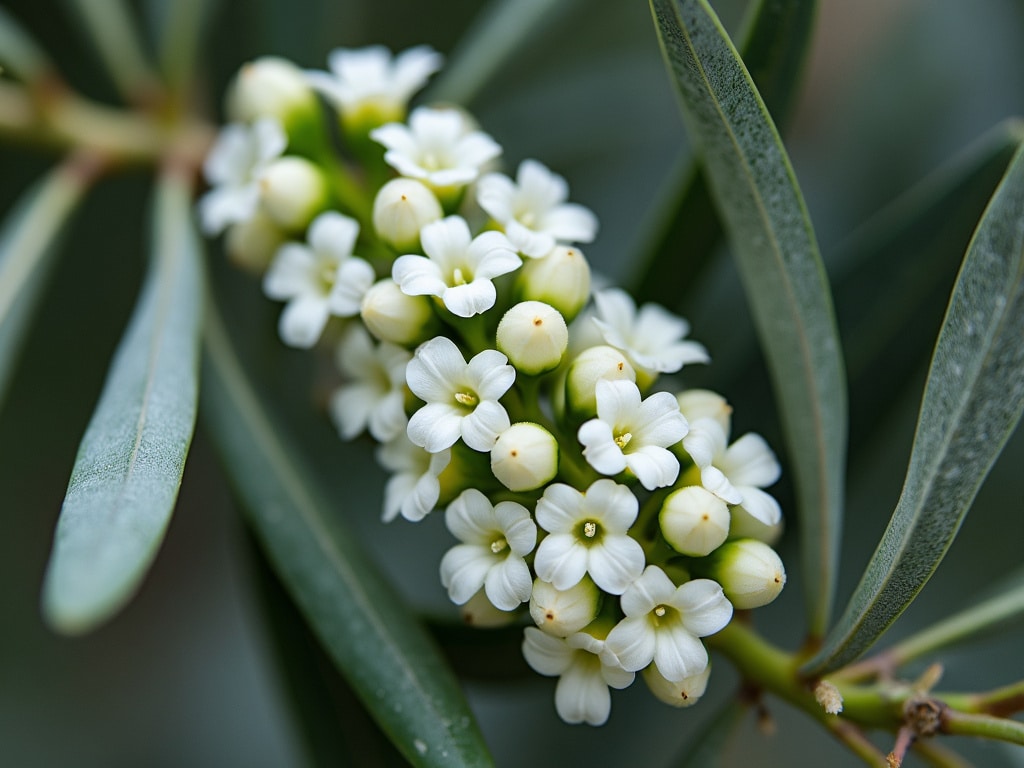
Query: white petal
481	428
397	489
435	426
291	273
470	518
446	241
491	375
715	481
679	654
559	508
653	587
303	320
632	643
658	421
352	281
435	370
615	504
470	299
534	244
654	467
508	583
350	407
333	234
387	420
599	448
704	607
705	440
561	560
749	461
617	401
571	223
518	526
464	568
546	655
222	206
760	505
616	563
418	276
582	696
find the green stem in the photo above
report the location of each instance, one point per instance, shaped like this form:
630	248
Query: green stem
985	726
1001	701
937	755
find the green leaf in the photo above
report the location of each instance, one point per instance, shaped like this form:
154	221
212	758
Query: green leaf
917	242
770	233
20	54
973	401
685	231
28	251
129	464
368	631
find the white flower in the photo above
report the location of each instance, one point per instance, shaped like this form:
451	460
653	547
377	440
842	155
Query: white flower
371	79
494	542
632	433
459	269
233	168
414	487
461	398
583	671
587	534
374	398
735	474
438	147
652	337
663	623
318	280
532	209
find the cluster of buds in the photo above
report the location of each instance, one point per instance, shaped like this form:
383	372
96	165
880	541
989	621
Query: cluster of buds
469	344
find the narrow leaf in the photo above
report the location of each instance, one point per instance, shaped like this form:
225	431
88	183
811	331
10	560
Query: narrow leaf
368	631
28	251
685	230
973	401
770	233
19	52
129	464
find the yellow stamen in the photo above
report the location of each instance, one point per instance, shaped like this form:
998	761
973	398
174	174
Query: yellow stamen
498	545
590	529
660	611
457	277
466	398
623	440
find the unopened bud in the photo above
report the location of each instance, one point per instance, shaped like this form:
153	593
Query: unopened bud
694	521
271	86
524	457
533	336
589	367
561	279
402	207
480	612
293	191
750	572
705	404
393	316
561	612
251	244
680	693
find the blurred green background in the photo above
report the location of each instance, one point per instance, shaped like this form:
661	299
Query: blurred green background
185	675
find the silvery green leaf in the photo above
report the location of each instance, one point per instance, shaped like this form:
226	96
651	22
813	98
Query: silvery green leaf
973	401
769	230
369	632
128	469
28	250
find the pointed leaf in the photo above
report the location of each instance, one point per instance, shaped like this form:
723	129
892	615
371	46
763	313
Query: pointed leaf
28	250
129	464
685	232
368	631
973	401
770	233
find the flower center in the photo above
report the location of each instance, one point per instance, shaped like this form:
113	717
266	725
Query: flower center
590	529
328	273
499	544
623	439
660	611
458	278
467	399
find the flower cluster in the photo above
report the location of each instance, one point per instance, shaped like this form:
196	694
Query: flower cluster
617	516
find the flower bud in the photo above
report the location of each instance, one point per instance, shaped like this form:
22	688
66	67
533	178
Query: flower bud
746	526
524	457
750	572
293	191
591	365
705	404
393	316
402	207
563	612
682	693
694	521
480	612
533	336
561	279
272	86
251	244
